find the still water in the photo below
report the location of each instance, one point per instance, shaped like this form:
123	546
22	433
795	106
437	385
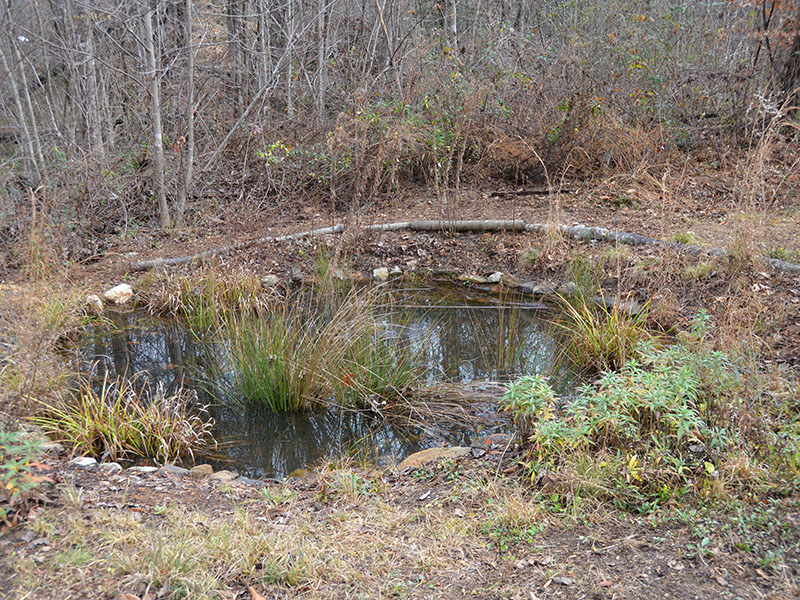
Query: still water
470	341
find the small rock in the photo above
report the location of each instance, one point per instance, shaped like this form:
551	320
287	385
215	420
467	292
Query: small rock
472	279
563	580
223	476
247	481
296	274
119	294
172	470
491	441
143	470
380	274
270	280
83	461
201	471
431	454
543	289
511	282
55	447
495	277
111	467
94	303
477	452
396	271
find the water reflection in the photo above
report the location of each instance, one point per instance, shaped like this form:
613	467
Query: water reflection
459	344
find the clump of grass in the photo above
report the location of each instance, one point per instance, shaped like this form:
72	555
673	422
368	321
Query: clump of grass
699	271
205	301
585	274
276	359
683	237
614	256
124	418
529	257
301	353
598	337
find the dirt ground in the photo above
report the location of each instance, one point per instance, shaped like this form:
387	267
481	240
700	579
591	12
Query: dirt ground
462	528
471	528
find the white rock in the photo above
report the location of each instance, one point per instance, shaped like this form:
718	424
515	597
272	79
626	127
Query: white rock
270	280
93	301
144	470
111	467
119	294
380	274
83	461
495	277
396	271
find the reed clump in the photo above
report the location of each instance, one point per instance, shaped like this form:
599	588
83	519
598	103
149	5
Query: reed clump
599	337
125	417
312	351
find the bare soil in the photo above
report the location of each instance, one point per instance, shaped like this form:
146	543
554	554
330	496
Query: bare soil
462	529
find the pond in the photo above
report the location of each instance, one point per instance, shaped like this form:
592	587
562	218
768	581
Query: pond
468	341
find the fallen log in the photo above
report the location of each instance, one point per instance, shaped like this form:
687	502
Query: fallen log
577	232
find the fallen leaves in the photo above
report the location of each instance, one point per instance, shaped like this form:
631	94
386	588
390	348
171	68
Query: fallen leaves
254	595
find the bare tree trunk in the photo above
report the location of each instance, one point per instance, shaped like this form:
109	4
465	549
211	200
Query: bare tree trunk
155	117
26	139
322	74
23	92
290	26
189	164
790	81
234	54
93	121
454	27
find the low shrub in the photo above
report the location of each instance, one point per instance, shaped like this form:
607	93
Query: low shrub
124	417
669	421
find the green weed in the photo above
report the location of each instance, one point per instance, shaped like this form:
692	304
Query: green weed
669	421
19	471
683	237
699	271
529	257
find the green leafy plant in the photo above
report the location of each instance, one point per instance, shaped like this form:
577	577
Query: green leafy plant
19	472
529	400
667	420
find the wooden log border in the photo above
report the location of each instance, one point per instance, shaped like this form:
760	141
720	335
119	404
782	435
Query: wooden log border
577	232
